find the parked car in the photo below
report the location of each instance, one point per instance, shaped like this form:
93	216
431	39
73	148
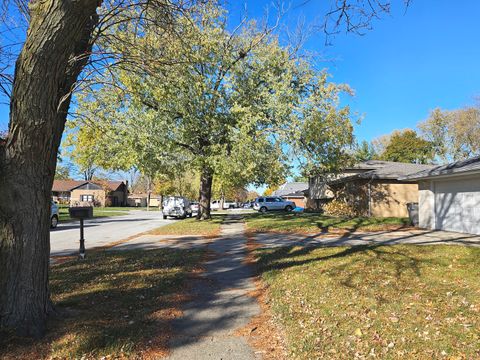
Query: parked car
229	204
194	205
264	204
177	207
215	205
248	205
53	215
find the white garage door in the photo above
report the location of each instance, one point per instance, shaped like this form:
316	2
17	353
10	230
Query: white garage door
457	205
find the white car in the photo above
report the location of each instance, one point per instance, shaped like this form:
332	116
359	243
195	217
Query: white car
272	203
215	205
177	207
53	215
229	205
194	206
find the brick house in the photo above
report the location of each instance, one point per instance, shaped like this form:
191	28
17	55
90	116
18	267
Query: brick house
96	193
293	191
372	188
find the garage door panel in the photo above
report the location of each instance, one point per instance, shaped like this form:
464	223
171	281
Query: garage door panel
457	205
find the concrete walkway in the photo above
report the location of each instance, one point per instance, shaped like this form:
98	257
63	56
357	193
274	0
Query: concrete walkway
221	304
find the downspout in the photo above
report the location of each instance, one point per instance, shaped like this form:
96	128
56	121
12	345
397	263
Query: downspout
370	198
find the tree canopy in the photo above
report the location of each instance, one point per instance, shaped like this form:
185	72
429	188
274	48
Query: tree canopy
237	105
455	135
407	146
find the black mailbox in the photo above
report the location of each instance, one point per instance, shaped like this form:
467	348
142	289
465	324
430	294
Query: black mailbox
81	212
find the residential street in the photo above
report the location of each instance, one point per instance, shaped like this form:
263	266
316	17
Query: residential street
64	240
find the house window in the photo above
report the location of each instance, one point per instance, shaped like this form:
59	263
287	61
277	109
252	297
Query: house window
87	198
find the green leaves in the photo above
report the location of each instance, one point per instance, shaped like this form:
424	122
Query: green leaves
408	147
201	96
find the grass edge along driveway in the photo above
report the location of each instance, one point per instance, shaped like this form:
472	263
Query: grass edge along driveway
389	302
309	223
192	226
113	304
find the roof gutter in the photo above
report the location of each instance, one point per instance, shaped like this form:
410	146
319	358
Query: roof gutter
451	174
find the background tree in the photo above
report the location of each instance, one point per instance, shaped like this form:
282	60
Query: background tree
236	107
380	143
269	190
408	147
183	184
252	195
364	151
455	135
62	172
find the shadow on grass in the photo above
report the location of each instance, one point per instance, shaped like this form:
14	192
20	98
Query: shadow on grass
287	257
111	304
309	222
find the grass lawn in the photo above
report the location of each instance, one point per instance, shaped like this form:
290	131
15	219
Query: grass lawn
391	302
315	223
114	304
191	226
97	212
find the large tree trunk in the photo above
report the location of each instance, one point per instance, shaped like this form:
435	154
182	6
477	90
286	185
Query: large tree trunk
206	180
52	57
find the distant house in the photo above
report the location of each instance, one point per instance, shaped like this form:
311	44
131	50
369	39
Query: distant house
96	193
62	189
140	200
293	191
449	196
372	188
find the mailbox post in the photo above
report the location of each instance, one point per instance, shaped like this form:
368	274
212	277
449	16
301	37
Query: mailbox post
81	213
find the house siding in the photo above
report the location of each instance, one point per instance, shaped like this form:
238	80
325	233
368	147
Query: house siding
98	196
426	204
391	199
378	198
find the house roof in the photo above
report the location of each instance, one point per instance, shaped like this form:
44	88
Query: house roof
114	185
384	170
291	189
69	185
455	168
66	185
371	165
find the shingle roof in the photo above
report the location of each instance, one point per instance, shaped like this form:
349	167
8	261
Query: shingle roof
386	170
291	188
69	185
372	164
66	185
458	167
114	185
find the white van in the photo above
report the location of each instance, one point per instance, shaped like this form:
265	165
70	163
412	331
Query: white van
177	207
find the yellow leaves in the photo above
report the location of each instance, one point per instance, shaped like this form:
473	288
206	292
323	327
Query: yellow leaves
358	332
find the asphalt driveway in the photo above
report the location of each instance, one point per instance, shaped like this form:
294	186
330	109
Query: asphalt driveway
103	231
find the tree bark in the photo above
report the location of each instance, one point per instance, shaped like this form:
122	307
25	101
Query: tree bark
206	180
54	53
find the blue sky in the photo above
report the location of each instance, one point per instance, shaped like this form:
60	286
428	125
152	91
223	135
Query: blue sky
408	64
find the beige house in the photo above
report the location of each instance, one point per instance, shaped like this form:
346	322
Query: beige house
449	196
372	188
140	200
96	193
